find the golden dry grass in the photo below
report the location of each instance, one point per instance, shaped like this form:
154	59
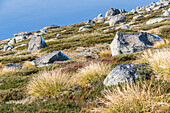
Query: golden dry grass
28	64
162	43
4	71
134	98
49	83
159	60
93	73
106	53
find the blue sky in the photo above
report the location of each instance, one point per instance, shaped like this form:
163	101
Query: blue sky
32	15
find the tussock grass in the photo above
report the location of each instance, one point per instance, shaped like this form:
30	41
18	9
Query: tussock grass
144	96
93	73
5	70
28	64
106	53
159	60
162	43
49	83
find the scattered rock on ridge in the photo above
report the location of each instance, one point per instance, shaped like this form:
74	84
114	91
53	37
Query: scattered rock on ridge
13	66
12	41
22	36
51	27
37	42
113	11
90	22
116	19
156	20
51	57
8	47
138	16
124	43
83	28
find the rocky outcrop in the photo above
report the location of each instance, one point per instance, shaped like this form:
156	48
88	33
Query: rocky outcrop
125	43
37	42
113	11
127	73
22	36
156	20
52	57
99	19
113	20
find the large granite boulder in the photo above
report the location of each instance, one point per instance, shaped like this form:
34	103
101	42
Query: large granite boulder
37	42
127	73
156	20
121	73
113	11
113	20
52	57
124	43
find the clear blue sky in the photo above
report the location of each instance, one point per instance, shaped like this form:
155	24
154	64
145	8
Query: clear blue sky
32	15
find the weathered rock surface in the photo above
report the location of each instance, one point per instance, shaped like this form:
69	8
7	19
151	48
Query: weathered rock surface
12	41
22	36
13	66
83	28
90	22
138	16
8	47
166	13
156	20
122	27
116	19
127	73
113	11
51	27
121	73
37	42
58	35
125	43
51	57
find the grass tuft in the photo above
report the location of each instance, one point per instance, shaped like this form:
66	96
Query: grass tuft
93	73
135	98
159	60
48	83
